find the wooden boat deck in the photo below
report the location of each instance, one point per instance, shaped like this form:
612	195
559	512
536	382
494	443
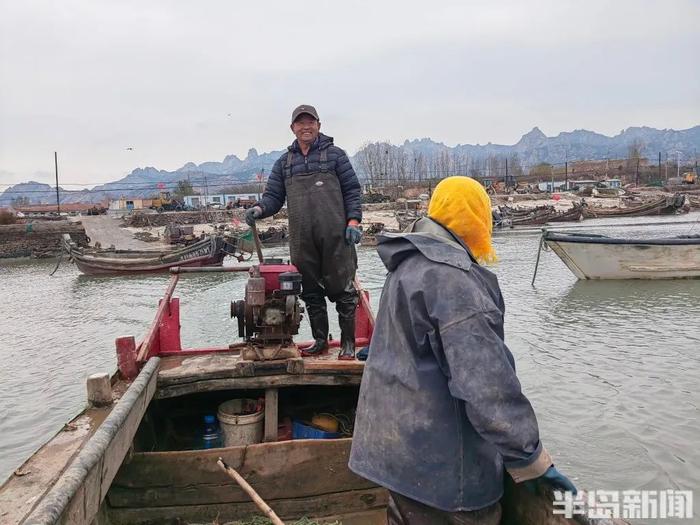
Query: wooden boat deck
181	375
41	471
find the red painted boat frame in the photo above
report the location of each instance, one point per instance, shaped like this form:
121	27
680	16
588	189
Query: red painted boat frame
163	336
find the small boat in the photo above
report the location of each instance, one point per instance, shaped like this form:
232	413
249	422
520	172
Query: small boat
677	203
507	217
274	236
591	256
134	456
209	251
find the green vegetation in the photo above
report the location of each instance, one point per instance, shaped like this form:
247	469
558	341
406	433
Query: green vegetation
184	187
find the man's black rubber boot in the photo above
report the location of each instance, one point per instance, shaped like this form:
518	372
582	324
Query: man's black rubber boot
318	317
347	336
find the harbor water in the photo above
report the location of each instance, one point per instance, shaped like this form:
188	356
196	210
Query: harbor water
612	368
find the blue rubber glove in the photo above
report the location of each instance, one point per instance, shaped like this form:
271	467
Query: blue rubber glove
353	234
252	214
554	479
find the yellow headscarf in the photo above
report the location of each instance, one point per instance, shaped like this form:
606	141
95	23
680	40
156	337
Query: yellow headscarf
462	205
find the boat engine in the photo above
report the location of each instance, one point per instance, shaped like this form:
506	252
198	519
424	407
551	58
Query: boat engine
270	312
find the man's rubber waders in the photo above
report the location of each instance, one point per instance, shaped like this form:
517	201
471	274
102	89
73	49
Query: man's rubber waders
317	244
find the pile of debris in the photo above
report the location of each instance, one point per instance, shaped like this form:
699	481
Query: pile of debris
142	220
146	237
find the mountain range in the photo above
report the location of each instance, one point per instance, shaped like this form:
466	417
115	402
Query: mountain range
533	148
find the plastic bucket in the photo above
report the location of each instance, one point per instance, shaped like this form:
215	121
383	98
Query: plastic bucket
238	425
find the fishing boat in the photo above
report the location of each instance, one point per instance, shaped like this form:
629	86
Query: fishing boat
592	256
508	217
135	455
671	205
210	251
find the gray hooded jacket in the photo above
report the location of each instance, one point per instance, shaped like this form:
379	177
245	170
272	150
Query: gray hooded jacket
441	411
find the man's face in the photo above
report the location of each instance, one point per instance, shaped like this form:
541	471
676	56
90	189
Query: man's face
306	128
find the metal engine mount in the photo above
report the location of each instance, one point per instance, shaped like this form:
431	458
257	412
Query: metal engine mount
270	314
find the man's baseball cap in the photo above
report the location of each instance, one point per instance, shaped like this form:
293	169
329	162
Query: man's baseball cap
300	110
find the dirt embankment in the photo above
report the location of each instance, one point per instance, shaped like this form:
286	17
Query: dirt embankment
38	239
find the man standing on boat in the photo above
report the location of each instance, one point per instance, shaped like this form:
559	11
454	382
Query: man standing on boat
324	206
441	412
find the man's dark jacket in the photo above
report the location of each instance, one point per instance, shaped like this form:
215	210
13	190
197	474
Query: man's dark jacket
441	412
338	163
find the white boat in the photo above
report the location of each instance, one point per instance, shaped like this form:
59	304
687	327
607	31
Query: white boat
591	256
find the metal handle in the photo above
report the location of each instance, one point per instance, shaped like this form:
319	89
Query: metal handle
258	244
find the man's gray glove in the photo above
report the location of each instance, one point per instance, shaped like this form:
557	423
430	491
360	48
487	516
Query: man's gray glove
252	214
353	234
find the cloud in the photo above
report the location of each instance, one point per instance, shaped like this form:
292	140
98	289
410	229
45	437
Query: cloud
90	78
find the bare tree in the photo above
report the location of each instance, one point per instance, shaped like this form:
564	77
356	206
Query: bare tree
634	153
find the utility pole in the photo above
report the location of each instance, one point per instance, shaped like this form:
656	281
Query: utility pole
678	163
507	181
58	199
637	174
566	175
659	165
552	174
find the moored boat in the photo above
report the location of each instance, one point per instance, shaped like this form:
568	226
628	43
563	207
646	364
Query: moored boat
209	251
592	256
671	205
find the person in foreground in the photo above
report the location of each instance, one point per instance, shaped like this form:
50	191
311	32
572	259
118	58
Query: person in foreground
324	204
441	412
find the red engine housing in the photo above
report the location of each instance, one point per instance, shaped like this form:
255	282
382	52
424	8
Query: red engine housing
271	274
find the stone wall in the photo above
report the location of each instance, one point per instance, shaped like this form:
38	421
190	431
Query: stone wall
38	238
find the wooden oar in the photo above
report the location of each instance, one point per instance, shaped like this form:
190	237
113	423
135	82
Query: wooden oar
251	492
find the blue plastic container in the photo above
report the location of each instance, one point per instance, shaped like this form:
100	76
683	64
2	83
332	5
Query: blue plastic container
211	438
302	431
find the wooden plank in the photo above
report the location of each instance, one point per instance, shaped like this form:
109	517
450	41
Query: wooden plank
271	414
285	469
210	366
178	370
349	505
334	367
245	383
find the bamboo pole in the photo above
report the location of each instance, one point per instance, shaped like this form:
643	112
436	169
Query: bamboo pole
251	492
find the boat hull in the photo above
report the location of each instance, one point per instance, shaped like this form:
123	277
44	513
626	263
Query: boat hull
296	478
208	252
598	259
89	267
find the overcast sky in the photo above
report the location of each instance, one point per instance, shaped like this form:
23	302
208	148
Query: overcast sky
90	78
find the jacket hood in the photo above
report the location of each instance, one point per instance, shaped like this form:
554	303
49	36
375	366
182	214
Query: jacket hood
322	142
432	240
